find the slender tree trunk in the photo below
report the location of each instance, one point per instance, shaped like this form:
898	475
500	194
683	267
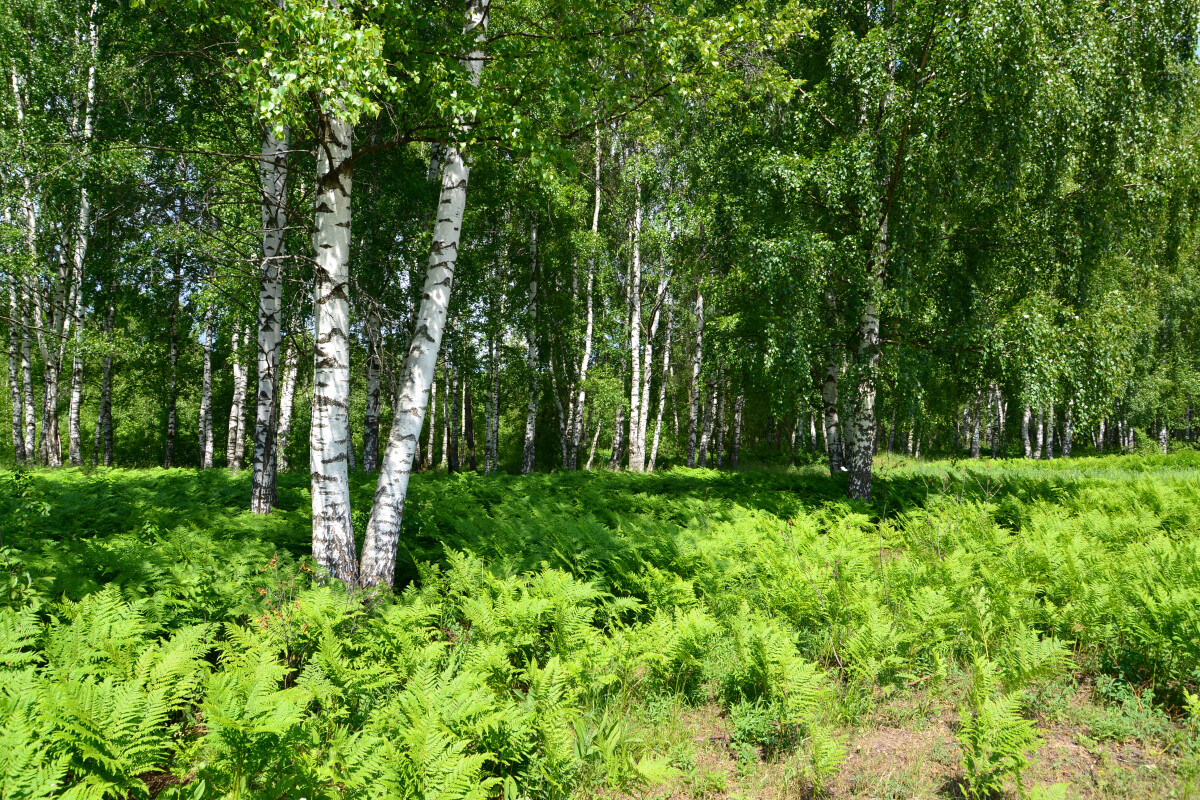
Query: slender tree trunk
975	423
1026	420
82	236
595	440
1050	417
529	452
14	371
739	406
27	402
578	428
383	529
447	387
636	443
710	407
489	453
104	424
206	416
235	442
429	462
719	422
862	453
829	403
662	387
1041	432
469	425
172	381
329	438
1164	437
287	398
1068	440
272	170
694	394
453	409
371	418
614	460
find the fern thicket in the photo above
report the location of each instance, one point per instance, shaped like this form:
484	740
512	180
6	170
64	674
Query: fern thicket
178	644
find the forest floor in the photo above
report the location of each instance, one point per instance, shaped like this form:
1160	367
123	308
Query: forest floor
687	634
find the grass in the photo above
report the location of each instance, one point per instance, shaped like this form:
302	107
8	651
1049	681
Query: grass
981	629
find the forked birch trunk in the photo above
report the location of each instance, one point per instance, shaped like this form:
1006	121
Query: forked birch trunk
329	438
383	529
272	172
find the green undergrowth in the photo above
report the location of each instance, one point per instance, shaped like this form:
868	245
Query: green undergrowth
156	640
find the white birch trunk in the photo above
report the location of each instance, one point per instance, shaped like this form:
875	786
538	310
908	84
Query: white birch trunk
662	388
710	407
272	171
694	394
172	384
429	462
614	459
578	427
14	368
1026	420
329	437
719	424
595	441
287	399
1068	440
206	419
636	422
82	237
383	529
529	451
1050	416
975	424
235	441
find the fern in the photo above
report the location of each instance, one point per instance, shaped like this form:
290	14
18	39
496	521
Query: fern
994	739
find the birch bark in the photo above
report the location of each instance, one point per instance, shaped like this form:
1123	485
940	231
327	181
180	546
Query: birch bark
1026	418
329	437
383	529
235	441
82	237
14	369
206	420
172	383
636	422
287	400
272	173
662	387
578	427
694	395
